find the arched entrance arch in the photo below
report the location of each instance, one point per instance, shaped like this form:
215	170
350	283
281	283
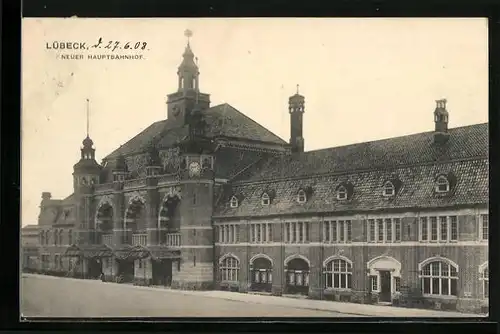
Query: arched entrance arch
385	276
261	269
297	268
104	224
135	222
169	217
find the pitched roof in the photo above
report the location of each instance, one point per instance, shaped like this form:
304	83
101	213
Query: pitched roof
222	120
464	143
417	190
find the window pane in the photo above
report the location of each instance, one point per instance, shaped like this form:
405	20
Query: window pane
326	236
434	229
349	281
306	232
374	283
444	229
425	232
426	282
397	229
444	287
349	231
334	231
454	228
388	226
486	287
336	280
380	226
435	286
372	230
341	231
343	281
453	287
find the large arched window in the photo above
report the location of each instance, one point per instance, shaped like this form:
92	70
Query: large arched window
389	189
297	275
229	269
338	274
442	184
439	277
261	268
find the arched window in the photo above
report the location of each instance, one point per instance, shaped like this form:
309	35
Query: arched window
265	199
262	274
341	193
229	269
442	184
485	278
439	278
301	196
389	189
234	202
338	274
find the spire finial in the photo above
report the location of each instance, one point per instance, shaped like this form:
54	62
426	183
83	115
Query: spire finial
88	116
188	33
297	89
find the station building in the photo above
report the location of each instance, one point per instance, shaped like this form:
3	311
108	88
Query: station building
210	199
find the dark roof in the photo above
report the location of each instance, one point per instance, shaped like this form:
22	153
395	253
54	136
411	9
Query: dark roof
417	190
464	143
222	120
414	160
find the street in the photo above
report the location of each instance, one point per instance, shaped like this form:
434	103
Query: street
46	296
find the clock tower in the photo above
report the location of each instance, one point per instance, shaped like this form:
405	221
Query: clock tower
188	94
196	177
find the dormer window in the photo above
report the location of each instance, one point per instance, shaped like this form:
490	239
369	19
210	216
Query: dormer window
389	189
301	196
442	184
342	193
233	202
265	199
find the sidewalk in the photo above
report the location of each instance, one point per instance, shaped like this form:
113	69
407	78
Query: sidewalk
364	310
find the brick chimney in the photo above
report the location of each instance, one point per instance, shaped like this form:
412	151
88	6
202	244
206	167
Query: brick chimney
46	196
441	134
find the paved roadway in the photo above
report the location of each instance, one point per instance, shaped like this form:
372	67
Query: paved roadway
62	297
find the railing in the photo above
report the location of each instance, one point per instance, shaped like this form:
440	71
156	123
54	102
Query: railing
139	239
173	239
135	183
107	239
103	187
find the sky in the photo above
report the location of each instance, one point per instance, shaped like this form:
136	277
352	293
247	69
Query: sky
363	79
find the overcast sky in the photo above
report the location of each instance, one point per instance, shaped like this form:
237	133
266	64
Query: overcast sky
363	79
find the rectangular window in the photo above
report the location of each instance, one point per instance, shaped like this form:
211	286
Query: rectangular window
397	229
306	232
349	231
301	232
265	234
341	231
397	284
372	230
434	229
326	236
270	232
259	235
424	231
453	228
374	283
223	233
334	231
444	228
485	230
294	232
227	234
237	234
287	232
388	226
380	227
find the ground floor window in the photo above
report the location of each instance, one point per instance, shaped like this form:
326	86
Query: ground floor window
229	269
439	278
485	277
297	276
338	274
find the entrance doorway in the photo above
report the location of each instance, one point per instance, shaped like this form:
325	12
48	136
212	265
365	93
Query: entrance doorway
126	270
162	272
94	268
385	286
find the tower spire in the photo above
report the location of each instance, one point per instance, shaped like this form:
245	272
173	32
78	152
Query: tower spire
88	117
188	33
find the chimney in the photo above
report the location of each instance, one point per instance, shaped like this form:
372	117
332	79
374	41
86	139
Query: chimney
441	134
296	109
46	196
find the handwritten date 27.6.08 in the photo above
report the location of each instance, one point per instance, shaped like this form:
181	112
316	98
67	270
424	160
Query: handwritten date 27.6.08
118	45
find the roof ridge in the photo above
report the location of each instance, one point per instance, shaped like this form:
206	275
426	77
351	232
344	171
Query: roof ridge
250	119
392	138
353	171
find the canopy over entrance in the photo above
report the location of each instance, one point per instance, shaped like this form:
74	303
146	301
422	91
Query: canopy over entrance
88	251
